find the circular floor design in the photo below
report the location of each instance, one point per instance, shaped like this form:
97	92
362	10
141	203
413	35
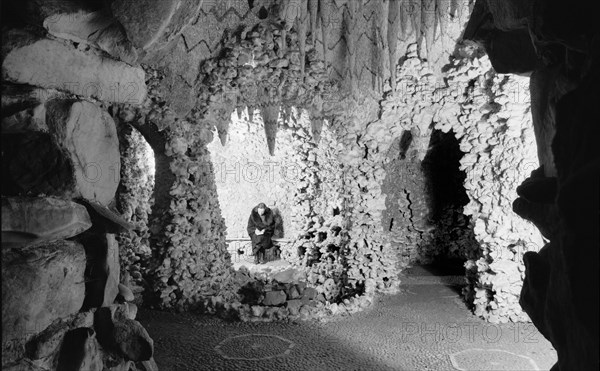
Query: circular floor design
254	347
491	359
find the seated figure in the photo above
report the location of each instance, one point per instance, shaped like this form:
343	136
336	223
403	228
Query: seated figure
261	226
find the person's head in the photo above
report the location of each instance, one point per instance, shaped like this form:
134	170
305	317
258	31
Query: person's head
261	208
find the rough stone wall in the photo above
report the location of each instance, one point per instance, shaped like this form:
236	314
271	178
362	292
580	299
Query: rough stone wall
65	304
420	236
193	258
319	248
334	192
308	182
134	201
245	174
369	258
500	154
495	132
406	212
329	201
360	48
407	113
189	262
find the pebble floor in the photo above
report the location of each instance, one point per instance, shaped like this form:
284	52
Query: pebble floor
424	327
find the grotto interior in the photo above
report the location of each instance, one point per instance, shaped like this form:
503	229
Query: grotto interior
385	134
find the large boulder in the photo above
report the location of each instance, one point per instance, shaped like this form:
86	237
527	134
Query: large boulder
44	218
121	335
287	276
75	154
80	351
48	342
97	28
155	23
39	285
273	298
133	340
58	65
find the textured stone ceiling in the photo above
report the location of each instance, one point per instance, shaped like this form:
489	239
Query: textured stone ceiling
359	42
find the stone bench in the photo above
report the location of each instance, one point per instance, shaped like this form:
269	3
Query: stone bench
244	244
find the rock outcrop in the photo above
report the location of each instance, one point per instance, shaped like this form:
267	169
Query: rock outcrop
73	152
560	292
63	63
89	74
41	219
54	287
153	24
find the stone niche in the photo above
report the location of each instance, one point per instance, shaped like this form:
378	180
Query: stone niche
246	174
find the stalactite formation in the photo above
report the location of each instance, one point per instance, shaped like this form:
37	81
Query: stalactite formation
270	115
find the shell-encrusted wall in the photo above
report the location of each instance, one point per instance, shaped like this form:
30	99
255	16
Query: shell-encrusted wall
194	262
499	152
135	202
261	68
495	131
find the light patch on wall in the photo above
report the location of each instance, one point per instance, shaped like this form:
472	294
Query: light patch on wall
245	173
148	156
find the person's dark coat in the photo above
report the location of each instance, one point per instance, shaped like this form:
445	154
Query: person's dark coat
261	242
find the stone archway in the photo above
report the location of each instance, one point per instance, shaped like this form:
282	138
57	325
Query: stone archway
247	174
135	200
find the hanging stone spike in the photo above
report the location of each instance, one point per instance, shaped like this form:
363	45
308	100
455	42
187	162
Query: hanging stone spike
460	6
283	15
292	13
428	15
378	58
222	129
239	110
270	115
251	113
392	35
443	12
350	39
313	7
316	125
385	51
454	5
415	9
283	9
325	7
405	20
223	117
302	26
